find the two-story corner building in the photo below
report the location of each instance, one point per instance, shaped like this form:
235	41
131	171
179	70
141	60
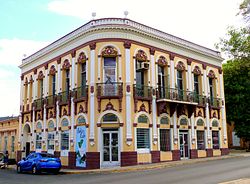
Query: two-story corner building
115	92
9	135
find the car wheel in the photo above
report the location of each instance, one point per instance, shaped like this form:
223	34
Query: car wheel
18	169
56	171
34	170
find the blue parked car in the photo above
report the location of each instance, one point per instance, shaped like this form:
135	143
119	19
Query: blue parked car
38	162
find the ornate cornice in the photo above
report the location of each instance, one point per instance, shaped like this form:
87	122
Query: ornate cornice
125	24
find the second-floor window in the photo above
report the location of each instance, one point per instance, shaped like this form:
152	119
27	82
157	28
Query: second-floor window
109	69
83	74
179	80
53	85
211	89
196	84
67	81
41	88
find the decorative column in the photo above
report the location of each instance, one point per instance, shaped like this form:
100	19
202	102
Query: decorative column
223	113
72	113
92	94
189	74
153	83
35	85
59	76
172	76
127	46
44	129
33	127
99	68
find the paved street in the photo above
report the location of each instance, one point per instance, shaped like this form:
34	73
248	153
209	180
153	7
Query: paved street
209	172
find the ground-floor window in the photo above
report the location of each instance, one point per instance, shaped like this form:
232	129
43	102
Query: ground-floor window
51	140
143	139
65	140
39	141
200	140
215	137
5	143
164	140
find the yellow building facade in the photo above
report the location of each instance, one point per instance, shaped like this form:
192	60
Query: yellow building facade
115	92
9	135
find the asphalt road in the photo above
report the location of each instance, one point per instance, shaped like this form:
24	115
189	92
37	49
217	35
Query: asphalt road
198	173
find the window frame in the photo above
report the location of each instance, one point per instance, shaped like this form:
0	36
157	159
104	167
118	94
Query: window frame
40	135
168	140
217	144
200	146
61	142
145	148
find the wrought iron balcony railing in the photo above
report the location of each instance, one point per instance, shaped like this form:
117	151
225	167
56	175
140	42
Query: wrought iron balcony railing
64	97
38	103
200	99
51	100
81	92
215	102
176	94
110	90
142	91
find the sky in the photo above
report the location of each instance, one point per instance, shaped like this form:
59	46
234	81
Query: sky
28	25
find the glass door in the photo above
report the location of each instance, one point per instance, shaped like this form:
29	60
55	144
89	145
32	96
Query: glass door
110	148
183	136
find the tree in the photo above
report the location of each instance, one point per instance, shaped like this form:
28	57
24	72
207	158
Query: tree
237	80
245	9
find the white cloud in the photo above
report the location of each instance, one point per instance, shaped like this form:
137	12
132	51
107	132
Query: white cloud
11	54
199	21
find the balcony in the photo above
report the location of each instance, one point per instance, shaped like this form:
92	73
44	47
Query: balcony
64	97
215	103
110	90
50	101
38	104
174	94
200	99
80	93
142	92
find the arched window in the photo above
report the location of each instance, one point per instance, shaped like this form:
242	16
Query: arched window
65	122
200	122
211	80
164	120
215	123
107	118
81	120
51	125
180	79
40	84
26	90
142	119
31	88
183	121
162	76
52	80
66	76
82	59
39	125
197	74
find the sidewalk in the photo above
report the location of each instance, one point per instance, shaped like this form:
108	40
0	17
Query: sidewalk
155	165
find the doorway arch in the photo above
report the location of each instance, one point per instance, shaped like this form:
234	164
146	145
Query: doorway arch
26	139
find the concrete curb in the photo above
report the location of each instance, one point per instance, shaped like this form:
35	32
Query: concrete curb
148	166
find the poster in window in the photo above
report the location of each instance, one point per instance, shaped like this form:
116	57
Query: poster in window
80	146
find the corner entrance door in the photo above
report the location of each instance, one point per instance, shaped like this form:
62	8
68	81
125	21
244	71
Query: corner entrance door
110	153
27	149
184	145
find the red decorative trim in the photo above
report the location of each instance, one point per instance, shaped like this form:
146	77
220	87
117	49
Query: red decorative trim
162	61
150	125
141	56
69	127
197	70
128	88
171	126
35	71
59	128
189	61
92	46
109	51
66	65
40	75
121	124
189	127
98	124
158	125
152	51
109	106
52	70
127	44
204	66
92	89
73	53
128	158
180	66
171	56
142	108
59	61
82	58
135	124
220	70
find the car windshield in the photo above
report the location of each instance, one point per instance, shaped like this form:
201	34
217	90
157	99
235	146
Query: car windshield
47	155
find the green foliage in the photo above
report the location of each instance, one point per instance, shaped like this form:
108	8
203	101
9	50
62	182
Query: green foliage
245	9
237	79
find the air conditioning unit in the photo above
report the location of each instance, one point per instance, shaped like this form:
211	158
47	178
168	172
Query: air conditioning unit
142	66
